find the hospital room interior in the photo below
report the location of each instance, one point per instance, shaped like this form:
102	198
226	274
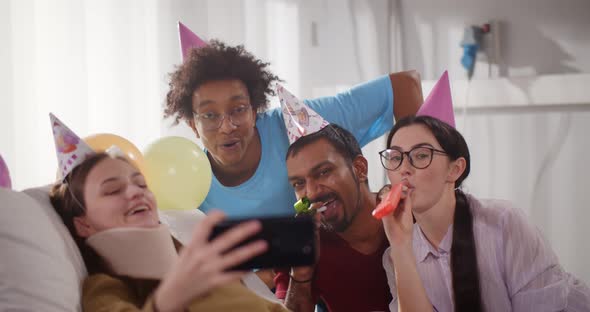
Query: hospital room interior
519	73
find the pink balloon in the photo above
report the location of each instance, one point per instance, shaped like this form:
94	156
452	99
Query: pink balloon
4	175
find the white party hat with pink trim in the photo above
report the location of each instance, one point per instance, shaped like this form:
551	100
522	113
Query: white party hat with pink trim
300	120
70	149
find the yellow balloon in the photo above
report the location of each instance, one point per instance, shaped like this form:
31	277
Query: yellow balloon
178	173
102	141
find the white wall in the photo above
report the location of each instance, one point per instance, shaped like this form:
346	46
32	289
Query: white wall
537	36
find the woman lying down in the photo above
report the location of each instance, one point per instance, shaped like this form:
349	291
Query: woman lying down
131	258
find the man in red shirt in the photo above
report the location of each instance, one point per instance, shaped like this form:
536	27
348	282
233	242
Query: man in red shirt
328	168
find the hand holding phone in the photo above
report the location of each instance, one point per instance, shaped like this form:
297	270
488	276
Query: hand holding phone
206	262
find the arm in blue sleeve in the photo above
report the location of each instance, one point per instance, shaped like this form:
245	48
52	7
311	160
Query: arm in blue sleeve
366	110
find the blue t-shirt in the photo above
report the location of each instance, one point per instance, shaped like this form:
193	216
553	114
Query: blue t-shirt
365	110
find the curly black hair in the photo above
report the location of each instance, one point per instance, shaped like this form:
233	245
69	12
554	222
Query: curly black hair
218	61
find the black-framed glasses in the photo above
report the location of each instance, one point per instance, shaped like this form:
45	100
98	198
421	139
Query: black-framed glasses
420	157
212	120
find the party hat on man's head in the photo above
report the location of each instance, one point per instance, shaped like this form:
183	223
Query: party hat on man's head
188	40
71	150
300	120
439	103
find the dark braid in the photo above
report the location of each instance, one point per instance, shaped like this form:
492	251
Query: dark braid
465	273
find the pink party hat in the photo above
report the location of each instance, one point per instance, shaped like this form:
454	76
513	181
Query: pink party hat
4	175
439	103
71	150
188	40
300	120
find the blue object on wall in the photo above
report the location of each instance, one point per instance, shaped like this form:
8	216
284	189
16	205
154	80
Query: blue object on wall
471	43
468	59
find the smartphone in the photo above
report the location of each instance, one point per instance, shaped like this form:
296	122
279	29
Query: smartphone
291	242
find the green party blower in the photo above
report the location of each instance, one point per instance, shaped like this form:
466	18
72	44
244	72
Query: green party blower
302	206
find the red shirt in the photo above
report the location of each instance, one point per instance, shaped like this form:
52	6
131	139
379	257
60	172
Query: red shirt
346	279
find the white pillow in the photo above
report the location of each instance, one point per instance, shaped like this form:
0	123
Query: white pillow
41	268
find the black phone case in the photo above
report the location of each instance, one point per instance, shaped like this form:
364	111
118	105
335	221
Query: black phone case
291	242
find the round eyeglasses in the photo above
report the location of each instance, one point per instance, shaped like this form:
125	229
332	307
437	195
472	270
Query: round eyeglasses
420	157
212	120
